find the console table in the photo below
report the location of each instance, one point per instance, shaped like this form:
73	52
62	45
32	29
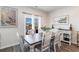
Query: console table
77	38
66	34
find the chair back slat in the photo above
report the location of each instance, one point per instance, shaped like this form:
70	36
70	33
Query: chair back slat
46	37
57	36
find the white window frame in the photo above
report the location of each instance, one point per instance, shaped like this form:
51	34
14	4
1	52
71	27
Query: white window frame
32	16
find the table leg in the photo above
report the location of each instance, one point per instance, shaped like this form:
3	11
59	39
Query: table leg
32	48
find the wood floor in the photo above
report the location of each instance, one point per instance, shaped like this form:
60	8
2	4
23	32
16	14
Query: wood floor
68	48
64	48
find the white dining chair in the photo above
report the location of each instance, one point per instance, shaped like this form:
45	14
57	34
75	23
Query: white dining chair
23	45
57	41
46	37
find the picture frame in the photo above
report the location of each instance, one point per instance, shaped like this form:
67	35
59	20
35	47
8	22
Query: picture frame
9	17
62	20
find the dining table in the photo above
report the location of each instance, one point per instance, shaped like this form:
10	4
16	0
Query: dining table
32	40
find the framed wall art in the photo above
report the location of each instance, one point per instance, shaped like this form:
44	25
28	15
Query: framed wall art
8	17
62	19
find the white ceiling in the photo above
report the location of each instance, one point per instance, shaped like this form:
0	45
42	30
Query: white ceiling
47	8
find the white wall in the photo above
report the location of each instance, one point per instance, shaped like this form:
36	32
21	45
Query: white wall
73	13
8	42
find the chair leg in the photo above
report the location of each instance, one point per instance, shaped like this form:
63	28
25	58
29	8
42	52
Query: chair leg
22	49
59	44
69	43
34	50
54	48
49	48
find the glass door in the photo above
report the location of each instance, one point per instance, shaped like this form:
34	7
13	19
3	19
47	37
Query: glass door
37	23
28	24
32	24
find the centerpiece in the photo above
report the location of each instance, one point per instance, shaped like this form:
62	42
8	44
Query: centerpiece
45	28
